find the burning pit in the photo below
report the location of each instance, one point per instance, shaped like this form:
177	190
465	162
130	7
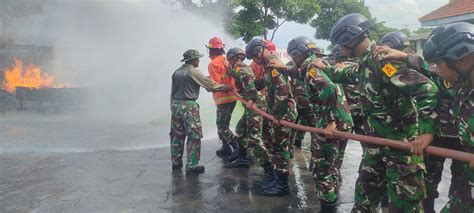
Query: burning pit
27	87
29	76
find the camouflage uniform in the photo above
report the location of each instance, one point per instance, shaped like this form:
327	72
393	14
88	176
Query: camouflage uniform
361	125
303	106
249	127
329	105
185	121
463	200
281	105
398	103
267	130
446	136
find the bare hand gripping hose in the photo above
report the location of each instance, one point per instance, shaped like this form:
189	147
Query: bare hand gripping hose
437	151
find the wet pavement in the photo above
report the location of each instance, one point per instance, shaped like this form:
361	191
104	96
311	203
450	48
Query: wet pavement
52	164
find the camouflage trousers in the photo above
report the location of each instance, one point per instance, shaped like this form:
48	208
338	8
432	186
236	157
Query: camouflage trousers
327	156
267	135
305	118
434	169
249	132
462	199
223	117
185	123
398	173
362	127
282	139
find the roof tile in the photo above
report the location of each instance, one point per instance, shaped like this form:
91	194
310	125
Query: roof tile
453	8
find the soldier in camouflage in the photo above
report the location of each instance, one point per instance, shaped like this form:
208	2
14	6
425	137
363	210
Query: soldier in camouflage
249	127
281	105
398	102
185	119
451	48
304	107
446	128
332	112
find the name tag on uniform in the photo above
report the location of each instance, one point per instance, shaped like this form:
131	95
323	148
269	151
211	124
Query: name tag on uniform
275	73
389	70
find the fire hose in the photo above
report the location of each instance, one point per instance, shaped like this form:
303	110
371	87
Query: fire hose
436	151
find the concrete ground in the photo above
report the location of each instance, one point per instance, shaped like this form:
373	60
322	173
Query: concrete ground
67	164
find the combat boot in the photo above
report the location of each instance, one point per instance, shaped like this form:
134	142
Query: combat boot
268	176
225	150
177	167
241	161
197	170
280	188
234	144
328	208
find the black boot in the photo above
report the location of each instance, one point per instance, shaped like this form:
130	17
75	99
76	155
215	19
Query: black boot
328	208
241	161
280	188
197	170
225	150
268	176
177	167
234	145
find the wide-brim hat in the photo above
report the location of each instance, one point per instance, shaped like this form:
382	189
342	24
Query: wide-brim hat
190	55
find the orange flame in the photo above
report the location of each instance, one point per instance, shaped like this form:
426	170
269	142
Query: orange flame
30	77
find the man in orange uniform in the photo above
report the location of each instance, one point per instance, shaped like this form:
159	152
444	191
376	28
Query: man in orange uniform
225	101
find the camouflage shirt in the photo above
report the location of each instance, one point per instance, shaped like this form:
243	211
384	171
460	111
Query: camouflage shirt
298	87
279	99
245	83
351	91
327	97
398	101
464	111
445	121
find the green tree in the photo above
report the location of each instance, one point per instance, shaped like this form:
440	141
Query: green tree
422	31
258	17
333	10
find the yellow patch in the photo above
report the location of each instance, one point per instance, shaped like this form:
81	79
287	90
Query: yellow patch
312	73
237	69
389	70
311	46
275	73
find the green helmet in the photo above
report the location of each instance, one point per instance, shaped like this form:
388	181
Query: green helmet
235	52
190	55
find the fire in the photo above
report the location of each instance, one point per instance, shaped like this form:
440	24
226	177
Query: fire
30	76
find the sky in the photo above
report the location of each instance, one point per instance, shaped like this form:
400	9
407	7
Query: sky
395	13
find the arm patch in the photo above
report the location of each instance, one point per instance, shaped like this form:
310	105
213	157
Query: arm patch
389	70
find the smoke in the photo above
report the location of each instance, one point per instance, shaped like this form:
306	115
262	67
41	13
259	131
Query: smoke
126	51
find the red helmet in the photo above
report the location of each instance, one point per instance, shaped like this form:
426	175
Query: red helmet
270	46
215	43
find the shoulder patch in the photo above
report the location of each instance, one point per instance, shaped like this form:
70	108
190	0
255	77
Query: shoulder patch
237	69
312	72
389	70
275	73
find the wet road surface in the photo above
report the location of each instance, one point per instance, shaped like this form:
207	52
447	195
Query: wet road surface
92	166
